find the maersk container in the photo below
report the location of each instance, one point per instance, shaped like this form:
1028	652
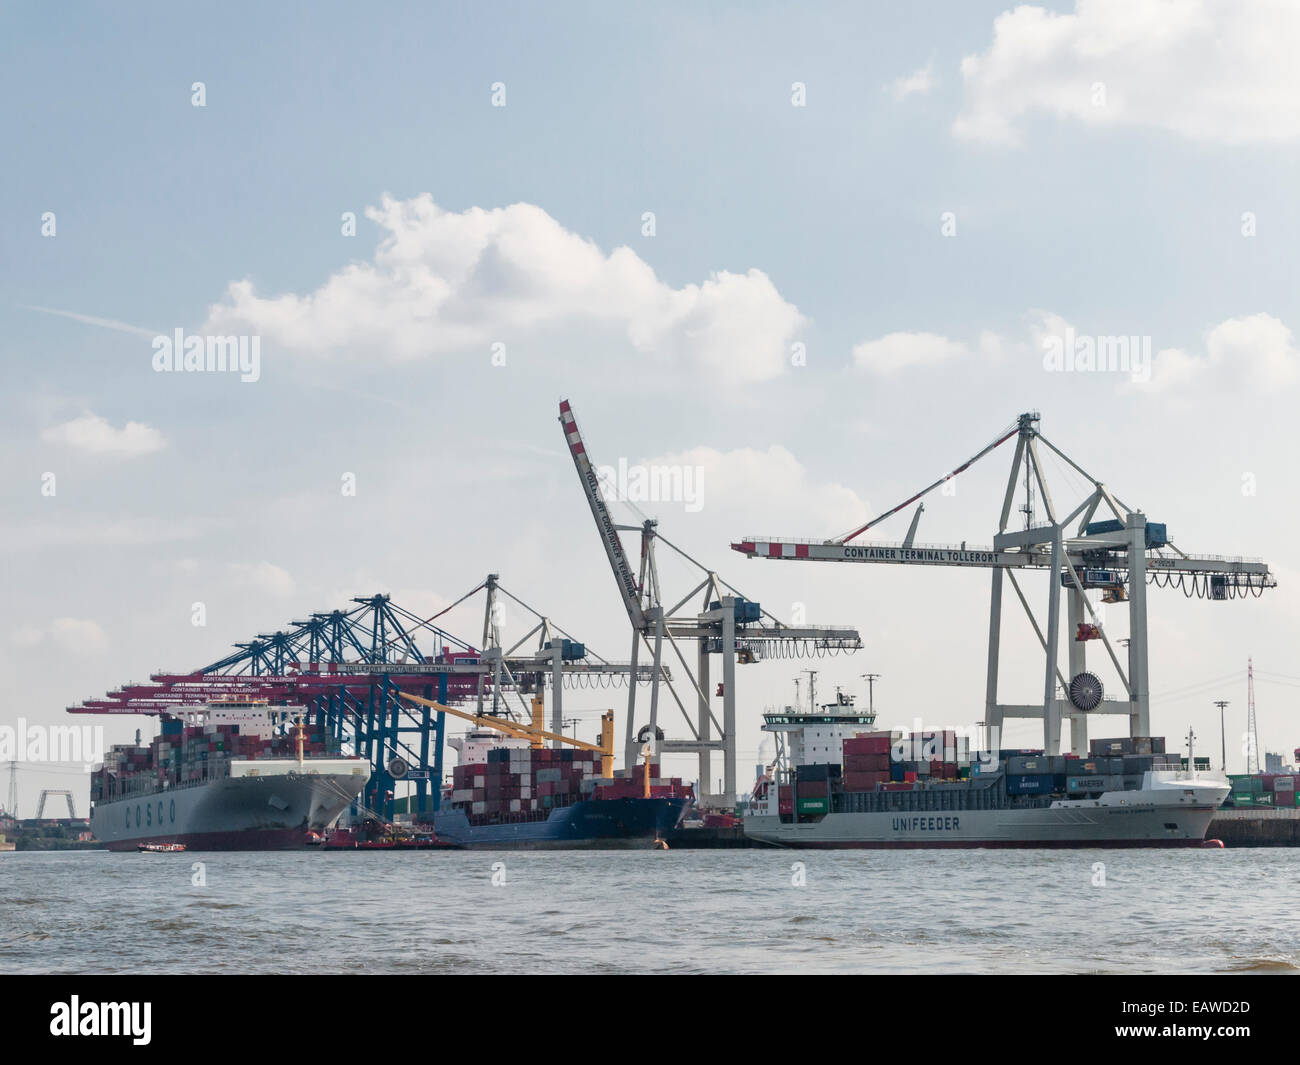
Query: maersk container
1087	784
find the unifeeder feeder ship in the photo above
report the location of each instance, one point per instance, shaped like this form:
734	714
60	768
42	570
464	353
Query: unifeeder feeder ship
224	776
838	785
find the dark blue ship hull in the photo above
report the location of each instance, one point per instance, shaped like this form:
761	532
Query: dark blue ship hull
592	823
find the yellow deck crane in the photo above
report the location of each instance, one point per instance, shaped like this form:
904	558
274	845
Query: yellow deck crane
534	731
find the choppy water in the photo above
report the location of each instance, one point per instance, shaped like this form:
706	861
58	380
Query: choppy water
680	912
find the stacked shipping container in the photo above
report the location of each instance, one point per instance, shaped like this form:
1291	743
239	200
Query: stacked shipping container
887	761
518	784
192	754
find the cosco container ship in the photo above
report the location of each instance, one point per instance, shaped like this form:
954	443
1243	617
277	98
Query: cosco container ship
845	787
508	794
223	776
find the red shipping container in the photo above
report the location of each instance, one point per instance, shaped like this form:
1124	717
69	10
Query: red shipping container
872	743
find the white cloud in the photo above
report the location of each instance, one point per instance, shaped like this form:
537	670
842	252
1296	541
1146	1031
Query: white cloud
1208	70
262	577
27	636
1256	351
739	487
78	634
917	83
896	352
74	635
444	282
94	435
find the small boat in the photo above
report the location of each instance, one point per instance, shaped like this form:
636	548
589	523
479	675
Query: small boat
161	848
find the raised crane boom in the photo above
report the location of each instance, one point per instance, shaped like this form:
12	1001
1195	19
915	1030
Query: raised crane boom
627	582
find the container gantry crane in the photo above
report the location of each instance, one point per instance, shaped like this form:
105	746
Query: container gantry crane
353	669
728	624
1120	555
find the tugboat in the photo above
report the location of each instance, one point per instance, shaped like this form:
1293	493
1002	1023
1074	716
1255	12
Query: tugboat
376	835
161	848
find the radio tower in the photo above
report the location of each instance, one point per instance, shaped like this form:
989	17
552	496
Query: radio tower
1252	732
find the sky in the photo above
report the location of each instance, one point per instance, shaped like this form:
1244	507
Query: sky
816	253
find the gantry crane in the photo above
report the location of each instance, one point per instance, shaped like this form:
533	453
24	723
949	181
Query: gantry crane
348	667
728	625
1119	555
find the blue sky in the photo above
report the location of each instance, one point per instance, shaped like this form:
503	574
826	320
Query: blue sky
1119	218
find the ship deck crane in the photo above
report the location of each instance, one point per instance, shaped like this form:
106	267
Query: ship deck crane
531	732
1121	555
727	624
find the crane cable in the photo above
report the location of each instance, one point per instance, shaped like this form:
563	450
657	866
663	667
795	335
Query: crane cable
1003	437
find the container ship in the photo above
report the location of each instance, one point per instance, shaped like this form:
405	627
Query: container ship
896	790
508	794
223	776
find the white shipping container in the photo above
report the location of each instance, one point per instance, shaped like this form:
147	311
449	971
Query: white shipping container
515	806
479	808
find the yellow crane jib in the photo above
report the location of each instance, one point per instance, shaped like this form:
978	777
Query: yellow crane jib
532	732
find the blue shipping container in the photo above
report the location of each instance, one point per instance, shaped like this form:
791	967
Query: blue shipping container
1035	784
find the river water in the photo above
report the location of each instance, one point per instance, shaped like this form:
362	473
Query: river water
748	911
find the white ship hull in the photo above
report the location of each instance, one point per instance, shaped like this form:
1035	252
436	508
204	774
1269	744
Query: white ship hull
1166	812
265	804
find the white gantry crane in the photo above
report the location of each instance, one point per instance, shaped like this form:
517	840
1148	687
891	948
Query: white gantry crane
728	624
1120	555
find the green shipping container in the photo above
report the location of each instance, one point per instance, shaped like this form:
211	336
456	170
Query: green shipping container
817	805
